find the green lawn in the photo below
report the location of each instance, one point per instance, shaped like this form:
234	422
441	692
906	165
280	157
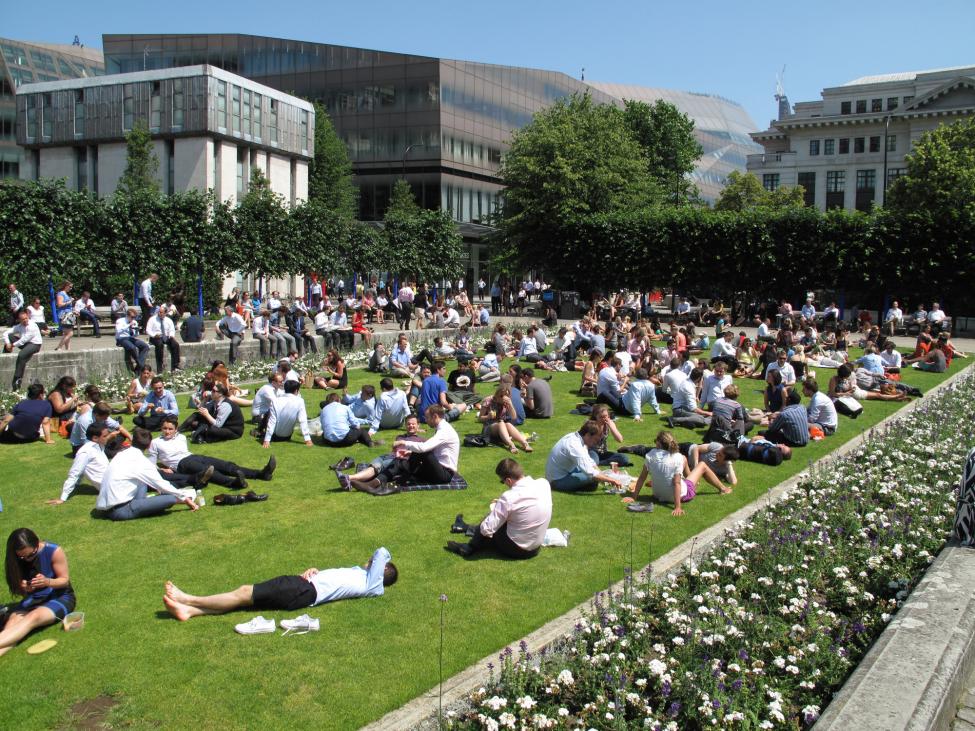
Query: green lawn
370	656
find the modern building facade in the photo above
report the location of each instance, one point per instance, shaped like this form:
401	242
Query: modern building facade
846	148
721	126
210	128
25	63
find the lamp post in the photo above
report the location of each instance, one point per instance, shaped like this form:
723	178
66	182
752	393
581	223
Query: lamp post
406	152
883	194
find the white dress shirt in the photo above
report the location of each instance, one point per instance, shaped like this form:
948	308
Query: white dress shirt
125	329
168	452
608	383
568	454
890	359
234	323
129	470
821	410
685	395
90	462
263	398
525	509
160	326
444	445
673	379
722	348
20	335
285	412
145	291
786	369
714	387
80	304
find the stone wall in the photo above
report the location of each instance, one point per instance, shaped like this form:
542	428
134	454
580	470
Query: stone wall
103	363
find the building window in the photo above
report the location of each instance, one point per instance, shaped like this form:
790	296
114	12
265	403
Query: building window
859	144
93	156
257	116
770	181
891	103
861	106
845	107
235	107
170	167
31	122
47	116
242	159
303	131
845	146
893	174
81	168
907	100
866	184
128	107
222	105
829	147
79	112
272	121
36	160
835	188
246	123
875	144
876	105
155	107
8	128
813	148
179	103
216	167
891	143
808	183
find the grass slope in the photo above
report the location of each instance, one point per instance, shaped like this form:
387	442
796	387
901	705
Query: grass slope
370	656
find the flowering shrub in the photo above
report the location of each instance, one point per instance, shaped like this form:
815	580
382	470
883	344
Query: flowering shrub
763	629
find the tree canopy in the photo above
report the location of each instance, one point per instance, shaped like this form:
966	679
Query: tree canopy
744	192
141	164
666	136
330	173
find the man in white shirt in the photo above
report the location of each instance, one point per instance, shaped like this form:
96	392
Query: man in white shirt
274	301
894	317
724	350
686	412
285	413
936	318
89	461
764	330
324	327
267	394
26	337
162	335
171	453
261	332
451	317
84	309
432	461
683	307
820	410
609	390
126	481
714	385
782	365
809	310
232	326
146	302
571	465
516	525
891	358
16	302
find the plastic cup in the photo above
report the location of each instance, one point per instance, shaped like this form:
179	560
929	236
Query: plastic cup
74	621
614	466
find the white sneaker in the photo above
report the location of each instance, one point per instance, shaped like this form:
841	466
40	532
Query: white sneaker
299	625
257	626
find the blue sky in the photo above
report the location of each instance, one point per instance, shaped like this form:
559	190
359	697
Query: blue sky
733	48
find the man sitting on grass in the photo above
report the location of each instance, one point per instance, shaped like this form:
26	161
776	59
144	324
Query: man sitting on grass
571	465
310	589
516	525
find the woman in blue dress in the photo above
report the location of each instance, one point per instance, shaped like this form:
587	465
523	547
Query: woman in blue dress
64	309
38	571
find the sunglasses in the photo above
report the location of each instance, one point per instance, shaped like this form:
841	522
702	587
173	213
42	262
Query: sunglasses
31	556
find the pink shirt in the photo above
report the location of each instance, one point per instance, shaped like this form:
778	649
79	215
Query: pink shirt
526	509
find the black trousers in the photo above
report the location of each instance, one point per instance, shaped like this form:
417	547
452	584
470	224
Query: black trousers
150	421
26	353
355	435
728	360
161	344
405	313
422	467
500	542
224	472
146	313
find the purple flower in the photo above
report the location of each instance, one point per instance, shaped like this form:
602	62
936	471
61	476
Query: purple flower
716	703
665	689
674	709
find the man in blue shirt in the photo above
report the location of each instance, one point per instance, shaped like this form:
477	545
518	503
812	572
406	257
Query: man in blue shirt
363	405
290	593
158	403
790	426
28	419
871	361
391	408
640	391
434	392
340	427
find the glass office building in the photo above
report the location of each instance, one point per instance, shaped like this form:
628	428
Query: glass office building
25	63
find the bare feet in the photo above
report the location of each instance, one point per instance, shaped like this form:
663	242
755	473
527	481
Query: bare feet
176	594
182	612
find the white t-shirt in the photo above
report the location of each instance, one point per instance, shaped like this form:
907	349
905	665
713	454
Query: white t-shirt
662	467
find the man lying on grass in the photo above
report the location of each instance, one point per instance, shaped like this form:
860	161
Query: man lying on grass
312	588
671	479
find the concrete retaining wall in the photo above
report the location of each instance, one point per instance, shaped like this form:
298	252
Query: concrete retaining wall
103	363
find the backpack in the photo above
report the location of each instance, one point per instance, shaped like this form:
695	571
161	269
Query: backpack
722	430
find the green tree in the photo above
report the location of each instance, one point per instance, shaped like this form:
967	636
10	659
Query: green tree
576	158
263	228
420	243
141	164
745	192
666	136
401	199
330	174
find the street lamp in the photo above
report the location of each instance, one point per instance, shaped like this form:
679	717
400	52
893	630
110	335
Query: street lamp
883	195
407	152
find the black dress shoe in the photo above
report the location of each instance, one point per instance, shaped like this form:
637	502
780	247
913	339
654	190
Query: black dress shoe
343	464
459	525
240	483
269	468
252	497
223	499
204	477
461	549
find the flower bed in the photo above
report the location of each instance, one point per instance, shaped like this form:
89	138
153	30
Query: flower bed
763	629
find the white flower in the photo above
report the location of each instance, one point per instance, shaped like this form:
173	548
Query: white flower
526	702
565	678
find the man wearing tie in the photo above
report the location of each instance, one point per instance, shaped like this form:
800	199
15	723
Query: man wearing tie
127	338
162	335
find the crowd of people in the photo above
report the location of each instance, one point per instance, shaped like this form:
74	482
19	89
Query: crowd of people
628	365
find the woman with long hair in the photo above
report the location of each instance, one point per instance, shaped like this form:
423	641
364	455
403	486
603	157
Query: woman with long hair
602	418
64	403
38	571
590	374
221	375
336	376
497	414
138	389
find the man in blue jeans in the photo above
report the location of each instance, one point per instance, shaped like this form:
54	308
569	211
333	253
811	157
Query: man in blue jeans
572	464
129	476
127	338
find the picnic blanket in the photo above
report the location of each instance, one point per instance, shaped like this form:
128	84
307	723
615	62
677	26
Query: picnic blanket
458	483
